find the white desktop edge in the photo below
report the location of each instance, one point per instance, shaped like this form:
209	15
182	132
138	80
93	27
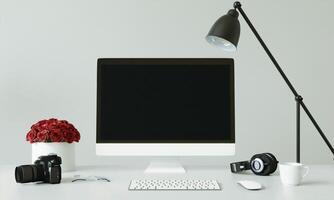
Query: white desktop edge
165	149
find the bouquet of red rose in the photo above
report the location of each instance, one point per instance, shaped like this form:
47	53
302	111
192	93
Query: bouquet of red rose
53	130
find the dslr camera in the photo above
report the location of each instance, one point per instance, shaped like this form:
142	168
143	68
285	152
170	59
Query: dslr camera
45	169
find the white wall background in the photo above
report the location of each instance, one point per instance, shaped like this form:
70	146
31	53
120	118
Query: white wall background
48	52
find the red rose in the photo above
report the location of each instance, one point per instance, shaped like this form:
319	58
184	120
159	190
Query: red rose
31	136
63	121
42	135
51	126
40	123
52	120
56	135
68	137
76	136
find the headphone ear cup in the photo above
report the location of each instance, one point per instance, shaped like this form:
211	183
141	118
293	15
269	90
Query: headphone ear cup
263	164
273	162
267	164
257	164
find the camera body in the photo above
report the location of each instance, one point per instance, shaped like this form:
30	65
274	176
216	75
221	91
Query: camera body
46	169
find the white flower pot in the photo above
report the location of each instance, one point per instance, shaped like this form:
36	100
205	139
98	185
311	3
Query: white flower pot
63	149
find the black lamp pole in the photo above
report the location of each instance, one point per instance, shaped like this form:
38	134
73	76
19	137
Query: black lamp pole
225	33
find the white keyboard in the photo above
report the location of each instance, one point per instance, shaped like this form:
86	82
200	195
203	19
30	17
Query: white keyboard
173	184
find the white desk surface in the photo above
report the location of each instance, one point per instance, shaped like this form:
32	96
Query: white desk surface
319	184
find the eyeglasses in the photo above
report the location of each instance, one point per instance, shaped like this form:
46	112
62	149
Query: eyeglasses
90	178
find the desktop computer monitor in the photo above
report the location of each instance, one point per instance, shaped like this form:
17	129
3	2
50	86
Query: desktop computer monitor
165	107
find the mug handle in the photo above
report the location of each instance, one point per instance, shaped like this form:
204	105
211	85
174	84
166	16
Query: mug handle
307	169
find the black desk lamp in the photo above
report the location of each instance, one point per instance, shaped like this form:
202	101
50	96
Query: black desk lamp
225	34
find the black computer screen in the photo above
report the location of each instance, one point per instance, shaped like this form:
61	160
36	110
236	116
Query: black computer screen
165	101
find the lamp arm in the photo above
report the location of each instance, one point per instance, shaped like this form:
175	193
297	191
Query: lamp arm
298	98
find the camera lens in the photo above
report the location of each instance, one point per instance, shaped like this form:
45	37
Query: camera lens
29	173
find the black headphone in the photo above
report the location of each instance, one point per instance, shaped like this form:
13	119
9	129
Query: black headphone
261	164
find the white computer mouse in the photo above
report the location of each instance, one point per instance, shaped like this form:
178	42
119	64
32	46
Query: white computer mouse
250	185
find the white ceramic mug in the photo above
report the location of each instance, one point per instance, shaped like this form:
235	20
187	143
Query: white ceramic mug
292	173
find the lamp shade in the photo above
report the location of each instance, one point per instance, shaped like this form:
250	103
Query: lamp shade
225	32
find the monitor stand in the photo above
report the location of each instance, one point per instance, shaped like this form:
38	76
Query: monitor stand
165	167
